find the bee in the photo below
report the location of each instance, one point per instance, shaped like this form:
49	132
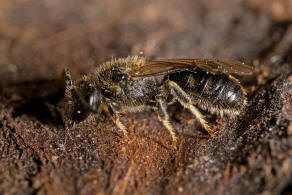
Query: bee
134	84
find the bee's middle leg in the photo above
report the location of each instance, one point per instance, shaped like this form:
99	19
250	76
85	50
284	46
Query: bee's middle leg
164	118
112	110
185	100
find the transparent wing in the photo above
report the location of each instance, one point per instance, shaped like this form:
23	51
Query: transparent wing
215	66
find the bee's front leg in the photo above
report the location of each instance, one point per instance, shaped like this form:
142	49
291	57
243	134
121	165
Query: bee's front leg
67	77
164	118
68	83
112	110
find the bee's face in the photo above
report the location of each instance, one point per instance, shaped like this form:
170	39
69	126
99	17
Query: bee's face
85	98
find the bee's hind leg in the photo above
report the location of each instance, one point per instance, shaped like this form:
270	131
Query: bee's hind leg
111	109
185	100
164	118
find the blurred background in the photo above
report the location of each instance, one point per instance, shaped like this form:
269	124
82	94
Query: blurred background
39	38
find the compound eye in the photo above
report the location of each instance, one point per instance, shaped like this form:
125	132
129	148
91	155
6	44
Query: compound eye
93	100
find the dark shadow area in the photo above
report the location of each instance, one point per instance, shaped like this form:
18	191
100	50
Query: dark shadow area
287	190
37	107
37	99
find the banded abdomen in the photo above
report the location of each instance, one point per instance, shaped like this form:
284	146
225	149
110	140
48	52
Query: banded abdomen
216	93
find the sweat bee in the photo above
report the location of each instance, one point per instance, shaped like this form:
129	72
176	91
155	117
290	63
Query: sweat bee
132	84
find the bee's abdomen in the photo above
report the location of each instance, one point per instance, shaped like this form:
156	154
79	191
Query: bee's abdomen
211	91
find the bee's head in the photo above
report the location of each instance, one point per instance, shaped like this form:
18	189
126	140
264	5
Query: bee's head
83	97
